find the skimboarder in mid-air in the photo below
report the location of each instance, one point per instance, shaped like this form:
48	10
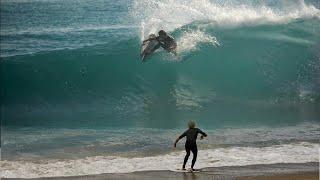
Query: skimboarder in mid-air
154	42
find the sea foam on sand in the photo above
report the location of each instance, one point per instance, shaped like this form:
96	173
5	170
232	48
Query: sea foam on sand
233	156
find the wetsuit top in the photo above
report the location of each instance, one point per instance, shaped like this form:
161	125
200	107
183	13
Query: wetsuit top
191	135
167	43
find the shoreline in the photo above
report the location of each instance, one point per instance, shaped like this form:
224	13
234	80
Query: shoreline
260	171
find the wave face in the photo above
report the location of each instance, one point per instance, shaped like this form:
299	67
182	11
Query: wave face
71	75
255	63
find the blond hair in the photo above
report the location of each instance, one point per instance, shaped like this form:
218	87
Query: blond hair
191	124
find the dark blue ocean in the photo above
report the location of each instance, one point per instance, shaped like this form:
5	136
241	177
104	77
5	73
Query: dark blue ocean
76	98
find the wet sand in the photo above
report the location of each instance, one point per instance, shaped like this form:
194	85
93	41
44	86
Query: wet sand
308	171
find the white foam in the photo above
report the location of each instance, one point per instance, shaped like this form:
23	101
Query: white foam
232	156
189	40
172	14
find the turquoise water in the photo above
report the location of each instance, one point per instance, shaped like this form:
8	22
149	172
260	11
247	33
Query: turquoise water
73	83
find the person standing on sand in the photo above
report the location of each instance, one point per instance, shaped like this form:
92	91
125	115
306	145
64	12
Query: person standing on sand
191	144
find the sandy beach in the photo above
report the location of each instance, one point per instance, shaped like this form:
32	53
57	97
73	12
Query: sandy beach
307	171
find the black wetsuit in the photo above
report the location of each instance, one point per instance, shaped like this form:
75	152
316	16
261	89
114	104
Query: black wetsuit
191	144
168	43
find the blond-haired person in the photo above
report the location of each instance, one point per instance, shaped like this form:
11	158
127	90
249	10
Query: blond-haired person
191	143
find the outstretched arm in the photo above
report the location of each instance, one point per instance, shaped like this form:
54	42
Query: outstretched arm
180	137
175	143
203	134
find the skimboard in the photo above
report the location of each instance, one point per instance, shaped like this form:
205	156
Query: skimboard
187	170
148	47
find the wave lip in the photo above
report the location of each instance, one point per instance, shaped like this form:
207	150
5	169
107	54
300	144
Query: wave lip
225	14
234	156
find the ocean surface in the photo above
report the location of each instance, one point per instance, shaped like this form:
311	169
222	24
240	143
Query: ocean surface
76	98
